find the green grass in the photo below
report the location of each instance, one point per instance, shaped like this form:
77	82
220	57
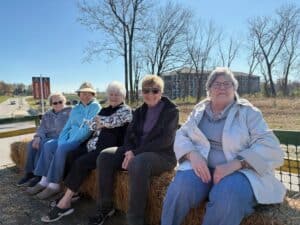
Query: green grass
4	98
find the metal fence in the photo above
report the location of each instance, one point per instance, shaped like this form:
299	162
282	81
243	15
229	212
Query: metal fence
289	173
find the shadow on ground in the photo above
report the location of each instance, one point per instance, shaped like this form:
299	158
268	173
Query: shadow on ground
18	208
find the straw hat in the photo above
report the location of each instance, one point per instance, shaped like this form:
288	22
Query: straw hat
86	87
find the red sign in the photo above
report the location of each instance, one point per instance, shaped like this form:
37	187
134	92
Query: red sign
36	87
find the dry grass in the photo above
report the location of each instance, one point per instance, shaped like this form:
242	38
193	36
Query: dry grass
280	113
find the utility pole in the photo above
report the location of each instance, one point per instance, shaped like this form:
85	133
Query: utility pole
42	93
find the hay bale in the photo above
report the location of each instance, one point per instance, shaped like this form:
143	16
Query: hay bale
265	215
90	185
18	153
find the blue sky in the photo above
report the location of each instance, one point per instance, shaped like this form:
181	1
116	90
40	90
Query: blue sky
43	37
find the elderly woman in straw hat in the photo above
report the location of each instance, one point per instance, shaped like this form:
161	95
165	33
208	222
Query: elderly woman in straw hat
46	136
109	127
52	162
226	153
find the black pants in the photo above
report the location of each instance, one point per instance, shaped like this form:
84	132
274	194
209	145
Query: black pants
140	170
80	162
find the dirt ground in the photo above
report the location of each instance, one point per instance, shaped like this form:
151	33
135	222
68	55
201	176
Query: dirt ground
18	208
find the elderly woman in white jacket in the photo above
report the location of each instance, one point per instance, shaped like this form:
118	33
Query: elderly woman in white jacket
226	153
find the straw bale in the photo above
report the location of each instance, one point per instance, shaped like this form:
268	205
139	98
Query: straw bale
18	153
90	185
264	215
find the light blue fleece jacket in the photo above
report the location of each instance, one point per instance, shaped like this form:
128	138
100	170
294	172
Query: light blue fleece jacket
76	129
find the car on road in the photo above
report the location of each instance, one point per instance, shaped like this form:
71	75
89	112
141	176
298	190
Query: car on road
13	102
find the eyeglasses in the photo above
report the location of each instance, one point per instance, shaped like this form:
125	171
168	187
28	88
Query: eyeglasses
55	103
218	85
152	90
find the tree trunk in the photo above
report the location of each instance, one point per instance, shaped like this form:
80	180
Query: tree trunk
125	64
272	86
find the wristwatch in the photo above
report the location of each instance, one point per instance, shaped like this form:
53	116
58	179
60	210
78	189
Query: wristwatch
243	162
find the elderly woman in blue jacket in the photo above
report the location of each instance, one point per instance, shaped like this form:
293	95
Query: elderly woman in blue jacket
47	134
52	161
226	153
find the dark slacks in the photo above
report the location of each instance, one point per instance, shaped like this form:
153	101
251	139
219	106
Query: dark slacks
81	162
142	167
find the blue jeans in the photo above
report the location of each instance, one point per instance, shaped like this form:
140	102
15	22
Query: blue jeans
33	155
46	156
229	201
52	160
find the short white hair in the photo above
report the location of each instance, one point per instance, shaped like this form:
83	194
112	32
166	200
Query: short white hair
59	95
117	87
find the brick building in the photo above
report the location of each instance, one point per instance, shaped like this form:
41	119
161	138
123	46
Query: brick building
183	82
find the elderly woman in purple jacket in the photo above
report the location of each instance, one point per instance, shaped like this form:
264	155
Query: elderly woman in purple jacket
147	152
51	125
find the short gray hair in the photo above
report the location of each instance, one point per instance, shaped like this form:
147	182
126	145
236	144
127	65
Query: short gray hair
116	86
57	94
221	71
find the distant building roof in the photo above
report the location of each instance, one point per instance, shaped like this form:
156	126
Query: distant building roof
188	70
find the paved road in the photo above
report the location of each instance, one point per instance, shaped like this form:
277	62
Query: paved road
16	126
5	148
7	109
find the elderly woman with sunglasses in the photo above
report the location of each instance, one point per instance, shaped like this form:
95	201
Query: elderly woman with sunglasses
147	152
109	128
226	153
51	125
52	161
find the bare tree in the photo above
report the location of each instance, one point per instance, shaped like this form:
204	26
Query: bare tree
199	43
137	77
290	54
164	43
271	34
253	60
118	22
228	51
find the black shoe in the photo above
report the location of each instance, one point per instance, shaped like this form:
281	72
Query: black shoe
34	181
75	198
24	180
101	217
56	214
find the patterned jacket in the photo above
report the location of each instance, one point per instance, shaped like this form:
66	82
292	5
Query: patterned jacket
115	121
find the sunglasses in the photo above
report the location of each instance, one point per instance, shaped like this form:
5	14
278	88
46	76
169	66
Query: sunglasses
55	103
152	90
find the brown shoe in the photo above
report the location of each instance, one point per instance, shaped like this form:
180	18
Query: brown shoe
35	189
47	193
